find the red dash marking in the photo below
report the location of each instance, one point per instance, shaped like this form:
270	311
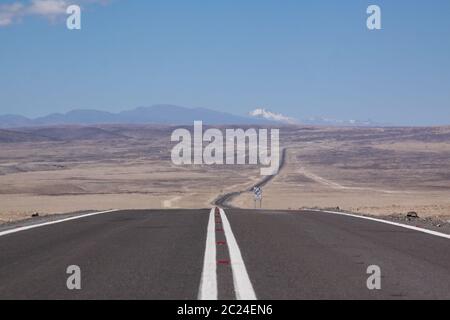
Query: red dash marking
219	230
221	243
223	261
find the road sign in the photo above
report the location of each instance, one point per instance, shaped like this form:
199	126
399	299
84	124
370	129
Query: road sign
257	192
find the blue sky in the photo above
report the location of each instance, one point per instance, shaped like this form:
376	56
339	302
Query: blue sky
300	58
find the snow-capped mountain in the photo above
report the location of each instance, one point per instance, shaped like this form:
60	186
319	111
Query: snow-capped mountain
262	113
322	121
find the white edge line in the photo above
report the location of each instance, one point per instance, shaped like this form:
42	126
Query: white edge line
242	284
208	282
434	233
33	226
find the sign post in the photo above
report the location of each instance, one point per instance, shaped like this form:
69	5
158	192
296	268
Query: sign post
257	193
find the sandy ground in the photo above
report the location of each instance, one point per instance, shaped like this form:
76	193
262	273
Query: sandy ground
303	185
368	170
135	186
135	172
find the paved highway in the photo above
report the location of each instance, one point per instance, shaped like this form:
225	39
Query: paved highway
216	254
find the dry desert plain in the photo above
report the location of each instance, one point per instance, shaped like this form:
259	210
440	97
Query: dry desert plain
379	171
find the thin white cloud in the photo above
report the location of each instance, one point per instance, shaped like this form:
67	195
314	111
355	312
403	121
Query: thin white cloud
10	12
14	12
47	7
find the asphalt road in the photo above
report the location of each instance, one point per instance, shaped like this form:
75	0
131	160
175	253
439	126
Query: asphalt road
248	254
225	199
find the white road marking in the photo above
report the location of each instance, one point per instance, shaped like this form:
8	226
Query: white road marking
434	233
242	284
208	283
3	233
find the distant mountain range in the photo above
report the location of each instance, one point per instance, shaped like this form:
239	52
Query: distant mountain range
157	114
168	115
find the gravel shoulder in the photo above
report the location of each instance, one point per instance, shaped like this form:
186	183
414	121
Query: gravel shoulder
438	224
41	219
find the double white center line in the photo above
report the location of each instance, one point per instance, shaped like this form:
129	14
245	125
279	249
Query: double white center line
208	286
